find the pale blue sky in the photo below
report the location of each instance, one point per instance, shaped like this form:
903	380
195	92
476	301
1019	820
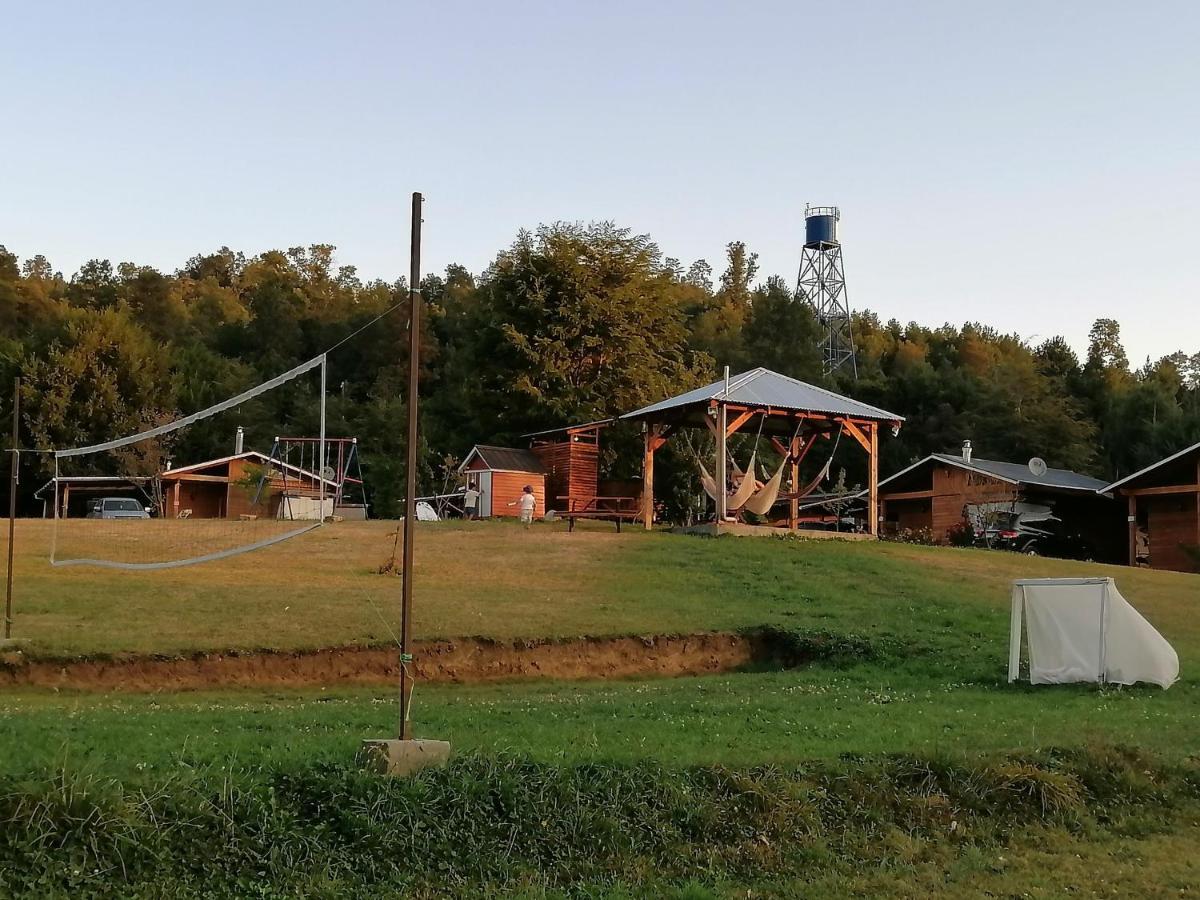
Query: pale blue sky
1030	165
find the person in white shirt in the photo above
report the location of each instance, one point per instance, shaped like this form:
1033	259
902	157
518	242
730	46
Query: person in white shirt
527	502
471	502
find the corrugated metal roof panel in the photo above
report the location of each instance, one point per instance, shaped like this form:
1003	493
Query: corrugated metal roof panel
1055	478
762	387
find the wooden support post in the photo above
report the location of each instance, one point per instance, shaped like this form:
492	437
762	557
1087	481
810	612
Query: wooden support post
794	466
1133	529
873	502
648	477
12	504
719	476
410	470
175	508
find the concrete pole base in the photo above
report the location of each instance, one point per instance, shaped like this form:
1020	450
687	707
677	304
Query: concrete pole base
395	757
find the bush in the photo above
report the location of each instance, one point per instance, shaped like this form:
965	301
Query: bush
961	534
922	536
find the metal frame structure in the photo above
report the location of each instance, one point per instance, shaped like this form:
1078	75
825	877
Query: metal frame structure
822	284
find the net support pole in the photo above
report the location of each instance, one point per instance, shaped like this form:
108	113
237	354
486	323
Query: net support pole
321	464
12	505
410	474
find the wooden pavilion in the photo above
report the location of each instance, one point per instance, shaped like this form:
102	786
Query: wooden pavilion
793	415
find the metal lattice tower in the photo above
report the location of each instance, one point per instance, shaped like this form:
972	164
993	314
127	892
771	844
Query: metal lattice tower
822	284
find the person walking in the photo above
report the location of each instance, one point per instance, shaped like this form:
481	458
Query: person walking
471	502
527	502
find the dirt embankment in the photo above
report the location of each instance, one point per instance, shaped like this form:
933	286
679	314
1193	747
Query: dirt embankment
460	660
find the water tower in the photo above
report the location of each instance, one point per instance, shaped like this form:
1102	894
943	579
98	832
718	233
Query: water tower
822	283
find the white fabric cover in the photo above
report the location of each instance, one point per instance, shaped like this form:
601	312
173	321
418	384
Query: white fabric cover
1082	629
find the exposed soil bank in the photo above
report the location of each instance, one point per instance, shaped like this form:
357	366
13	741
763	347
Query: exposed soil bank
459	660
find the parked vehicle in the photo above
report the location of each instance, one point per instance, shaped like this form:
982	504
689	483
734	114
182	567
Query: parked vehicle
117	508
1043	536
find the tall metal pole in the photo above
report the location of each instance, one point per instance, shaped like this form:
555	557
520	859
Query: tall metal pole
12	505
410	475
321	440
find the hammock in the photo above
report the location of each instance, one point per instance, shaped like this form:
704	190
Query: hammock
706	482
814	484
737	499
762	501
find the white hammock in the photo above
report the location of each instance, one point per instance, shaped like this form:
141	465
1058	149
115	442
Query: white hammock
734	501
762	501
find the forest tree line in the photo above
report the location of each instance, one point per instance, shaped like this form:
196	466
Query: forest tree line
571	323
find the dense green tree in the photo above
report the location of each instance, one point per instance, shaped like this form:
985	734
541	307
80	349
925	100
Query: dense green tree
781	333
575	323
570	323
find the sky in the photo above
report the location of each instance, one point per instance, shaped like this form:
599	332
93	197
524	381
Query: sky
1029	165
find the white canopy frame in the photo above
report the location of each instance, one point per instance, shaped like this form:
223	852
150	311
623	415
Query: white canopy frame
1084	630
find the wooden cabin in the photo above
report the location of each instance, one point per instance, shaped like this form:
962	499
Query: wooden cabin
1162	502
500	474
228	488
944	491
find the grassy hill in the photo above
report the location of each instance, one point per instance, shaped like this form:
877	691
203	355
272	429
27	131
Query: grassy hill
497	580
904	765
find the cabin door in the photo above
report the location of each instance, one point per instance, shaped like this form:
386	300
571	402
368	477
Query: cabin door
485	494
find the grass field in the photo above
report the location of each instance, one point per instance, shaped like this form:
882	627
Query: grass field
930	686
498	580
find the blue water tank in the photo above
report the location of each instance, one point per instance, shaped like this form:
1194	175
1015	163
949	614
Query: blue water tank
821	226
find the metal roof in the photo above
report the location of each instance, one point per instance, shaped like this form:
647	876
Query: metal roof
764	388
1013	473
1162	462
504	459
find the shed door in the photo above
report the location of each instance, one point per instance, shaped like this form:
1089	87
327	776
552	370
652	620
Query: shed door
485	494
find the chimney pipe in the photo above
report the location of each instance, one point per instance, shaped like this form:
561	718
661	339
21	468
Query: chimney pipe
966	451
238	441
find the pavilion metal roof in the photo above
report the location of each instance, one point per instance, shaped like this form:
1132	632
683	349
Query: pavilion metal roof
763	388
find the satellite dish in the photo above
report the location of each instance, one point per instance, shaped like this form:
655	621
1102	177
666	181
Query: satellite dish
328	474
1037	466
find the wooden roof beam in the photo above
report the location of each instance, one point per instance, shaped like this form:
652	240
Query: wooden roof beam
1167	489
856	432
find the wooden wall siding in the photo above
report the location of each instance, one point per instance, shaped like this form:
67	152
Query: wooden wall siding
954	488
477	465
508	486
1171	521
572	469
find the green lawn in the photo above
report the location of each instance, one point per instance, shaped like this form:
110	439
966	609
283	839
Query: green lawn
273	769
498	580
738	720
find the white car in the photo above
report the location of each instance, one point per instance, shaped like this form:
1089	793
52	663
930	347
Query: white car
117	508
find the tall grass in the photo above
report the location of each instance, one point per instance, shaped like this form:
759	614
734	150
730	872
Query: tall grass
492	822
